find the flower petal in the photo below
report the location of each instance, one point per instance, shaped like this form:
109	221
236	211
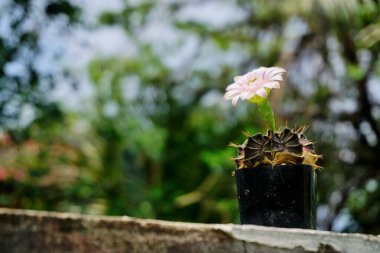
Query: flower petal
234	101
232	86
246	95
232	94
272	85
276	70
277	78
256	82
237	78
262	92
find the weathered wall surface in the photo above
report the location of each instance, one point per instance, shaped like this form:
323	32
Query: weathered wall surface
32	231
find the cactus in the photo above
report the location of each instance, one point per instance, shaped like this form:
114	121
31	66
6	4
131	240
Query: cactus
276	148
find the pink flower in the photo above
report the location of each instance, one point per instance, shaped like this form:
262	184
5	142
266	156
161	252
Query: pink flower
255	85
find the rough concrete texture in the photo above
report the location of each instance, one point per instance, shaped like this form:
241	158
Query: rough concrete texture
34	231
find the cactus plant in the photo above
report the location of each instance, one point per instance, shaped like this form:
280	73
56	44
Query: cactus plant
288	146
276	148
283	196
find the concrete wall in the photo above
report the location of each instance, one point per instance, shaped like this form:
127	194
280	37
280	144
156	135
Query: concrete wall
33	231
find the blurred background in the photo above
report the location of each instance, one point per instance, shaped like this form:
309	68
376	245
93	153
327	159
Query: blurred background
116	107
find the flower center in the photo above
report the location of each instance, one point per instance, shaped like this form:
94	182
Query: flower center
251	81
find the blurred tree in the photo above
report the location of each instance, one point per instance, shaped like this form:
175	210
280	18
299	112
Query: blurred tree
42	166
23	81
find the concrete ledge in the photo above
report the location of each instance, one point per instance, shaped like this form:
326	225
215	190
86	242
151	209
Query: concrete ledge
35	231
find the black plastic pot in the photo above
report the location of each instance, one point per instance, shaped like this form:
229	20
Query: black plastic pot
279	196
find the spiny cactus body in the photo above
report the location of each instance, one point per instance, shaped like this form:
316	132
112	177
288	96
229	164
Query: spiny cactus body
285	147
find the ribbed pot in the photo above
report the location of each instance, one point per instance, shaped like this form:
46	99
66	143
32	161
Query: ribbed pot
278	196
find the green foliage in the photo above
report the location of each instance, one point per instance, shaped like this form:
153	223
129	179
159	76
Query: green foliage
22	83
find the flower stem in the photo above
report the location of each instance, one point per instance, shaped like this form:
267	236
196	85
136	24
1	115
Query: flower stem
265	109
